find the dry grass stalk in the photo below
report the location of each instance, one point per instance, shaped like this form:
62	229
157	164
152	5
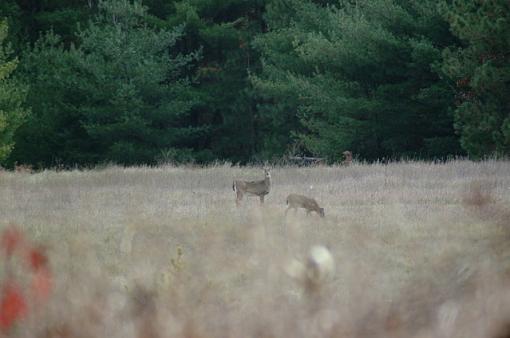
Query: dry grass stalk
414	256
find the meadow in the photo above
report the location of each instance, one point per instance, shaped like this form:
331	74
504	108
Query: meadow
420	249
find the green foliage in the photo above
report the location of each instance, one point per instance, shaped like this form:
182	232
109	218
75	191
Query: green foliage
11	13
119	96
31	18
138	101
12	97
224	31
480	71
52	133
199	80
355	76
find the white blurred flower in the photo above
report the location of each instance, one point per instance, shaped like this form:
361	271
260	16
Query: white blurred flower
320	266
318	269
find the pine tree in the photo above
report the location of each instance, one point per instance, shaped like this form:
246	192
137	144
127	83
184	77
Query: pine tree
52	133
117	96
138	102
480	71
60	16
358	76
223	30
12	97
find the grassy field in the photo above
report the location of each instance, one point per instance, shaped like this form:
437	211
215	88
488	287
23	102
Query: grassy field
420	250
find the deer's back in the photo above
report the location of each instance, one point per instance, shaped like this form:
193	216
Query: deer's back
295	200
254	187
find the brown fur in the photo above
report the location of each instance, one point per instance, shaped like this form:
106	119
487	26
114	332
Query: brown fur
295	201
258	188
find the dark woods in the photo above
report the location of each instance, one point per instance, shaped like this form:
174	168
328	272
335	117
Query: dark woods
146	82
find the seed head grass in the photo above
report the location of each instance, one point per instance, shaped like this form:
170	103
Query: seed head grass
411	249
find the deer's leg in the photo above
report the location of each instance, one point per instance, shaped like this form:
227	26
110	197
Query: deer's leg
261	199
287	210
307	212
239	197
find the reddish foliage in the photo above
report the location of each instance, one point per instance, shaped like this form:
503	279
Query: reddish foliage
12	305
60	331
37	258
42	284
392	323
10	240
464	82
492	57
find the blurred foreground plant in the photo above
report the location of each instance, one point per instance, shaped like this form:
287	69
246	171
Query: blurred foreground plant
17	301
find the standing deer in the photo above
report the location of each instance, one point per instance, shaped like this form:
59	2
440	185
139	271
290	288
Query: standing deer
295	201
258	188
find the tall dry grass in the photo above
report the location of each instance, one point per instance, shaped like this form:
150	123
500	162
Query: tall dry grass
421	250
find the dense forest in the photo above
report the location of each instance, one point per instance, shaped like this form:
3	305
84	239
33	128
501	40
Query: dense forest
86	82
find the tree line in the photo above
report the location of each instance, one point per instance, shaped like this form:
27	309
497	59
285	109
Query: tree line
142	82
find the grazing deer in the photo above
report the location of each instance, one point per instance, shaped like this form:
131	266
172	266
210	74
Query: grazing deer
347	158
258	188
295	201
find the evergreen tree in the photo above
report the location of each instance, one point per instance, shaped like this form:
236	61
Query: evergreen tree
138	102
119	96
480	71
12	97
10	11
63	17
355	75
53	133
223	30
